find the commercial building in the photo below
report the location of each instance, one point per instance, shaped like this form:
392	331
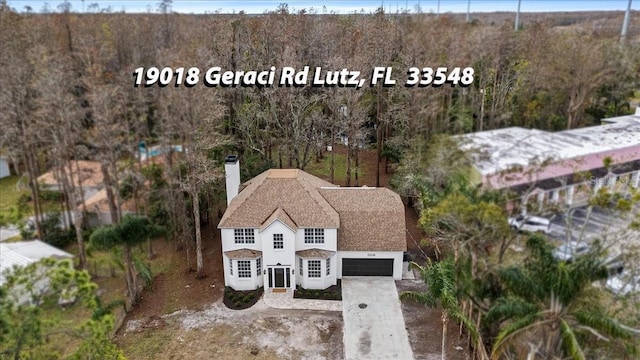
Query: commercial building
561	168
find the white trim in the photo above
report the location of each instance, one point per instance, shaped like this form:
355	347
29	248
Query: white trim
569	197
635	180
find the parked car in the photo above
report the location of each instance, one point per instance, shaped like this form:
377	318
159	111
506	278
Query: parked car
624	283
570	250
614	265
528	223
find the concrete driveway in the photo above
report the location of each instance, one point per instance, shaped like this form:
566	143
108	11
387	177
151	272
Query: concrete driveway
373	322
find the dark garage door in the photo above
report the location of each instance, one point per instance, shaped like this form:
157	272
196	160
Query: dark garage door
367	267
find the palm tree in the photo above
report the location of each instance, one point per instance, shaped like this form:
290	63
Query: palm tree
547	306
440	278
130	231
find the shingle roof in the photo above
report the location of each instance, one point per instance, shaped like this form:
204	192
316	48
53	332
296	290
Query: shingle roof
281	215
294	191
315	253
367	219
371	219
243	254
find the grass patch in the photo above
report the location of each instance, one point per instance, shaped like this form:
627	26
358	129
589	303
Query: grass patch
11	191
150	346
13	188
322	168
16	238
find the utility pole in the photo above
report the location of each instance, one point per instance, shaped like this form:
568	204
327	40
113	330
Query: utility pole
481	111
625	23
438	12
468	9
518	16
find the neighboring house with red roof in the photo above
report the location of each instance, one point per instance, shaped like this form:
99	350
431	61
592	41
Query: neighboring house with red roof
286	227
87	174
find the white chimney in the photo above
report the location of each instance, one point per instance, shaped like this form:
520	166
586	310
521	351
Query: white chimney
232	174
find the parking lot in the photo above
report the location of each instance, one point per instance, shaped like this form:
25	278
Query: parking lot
584	223
611	228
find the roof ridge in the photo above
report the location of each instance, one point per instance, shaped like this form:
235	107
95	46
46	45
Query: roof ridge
306	185
289	216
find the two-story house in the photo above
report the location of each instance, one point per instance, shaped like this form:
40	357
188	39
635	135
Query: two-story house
286	227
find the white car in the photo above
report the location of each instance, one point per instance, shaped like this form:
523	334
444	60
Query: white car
570	250
528	223
624	283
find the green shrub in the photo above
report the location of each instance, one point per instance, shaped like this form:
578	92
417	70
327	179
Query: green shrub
23	204
50	195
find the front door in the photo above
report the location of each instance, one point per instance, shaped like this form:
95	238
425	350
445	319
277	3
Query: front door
279	277
279	283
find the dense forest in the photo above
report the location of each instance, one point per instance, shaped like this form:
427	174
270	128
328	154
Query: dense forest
67	93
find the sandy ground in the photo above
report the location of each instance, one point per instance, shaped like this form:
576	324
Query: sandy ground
260	332
424	327
220	333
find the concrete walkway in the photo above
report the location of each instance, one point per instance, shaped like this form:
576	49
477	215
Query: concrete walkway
407	271
374	326
285	300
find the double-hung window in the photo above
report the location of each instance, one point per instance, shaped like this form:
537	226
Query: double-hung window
314	236
244	236
244	268
314	267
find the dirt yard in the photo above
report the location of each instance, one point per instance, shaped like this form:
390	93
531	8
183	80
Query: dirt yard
425	328
220	333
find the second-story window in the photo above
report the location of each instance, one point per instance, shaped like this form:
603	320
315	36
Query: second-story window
244	236
278	241
314	236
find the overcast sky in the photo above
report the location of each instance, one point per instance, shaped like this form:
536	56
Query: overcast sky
342	7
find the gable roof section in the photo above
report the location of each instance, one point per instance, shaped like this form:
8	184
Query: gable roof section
294	191
283	217
371	219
